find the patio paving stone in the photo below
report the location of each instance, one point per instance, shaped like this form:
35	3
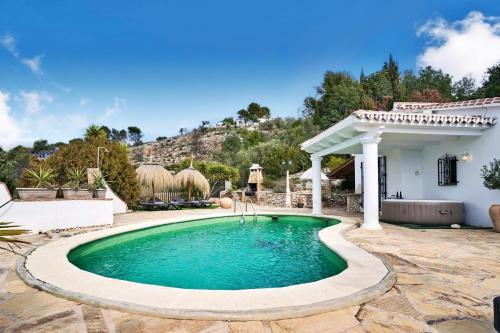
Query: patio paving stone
446	282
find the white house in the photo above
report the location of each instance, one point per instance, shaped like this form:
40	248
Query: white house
423	151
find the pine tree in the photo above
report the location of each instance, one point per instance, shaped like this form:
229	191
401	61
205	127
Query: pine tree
392	70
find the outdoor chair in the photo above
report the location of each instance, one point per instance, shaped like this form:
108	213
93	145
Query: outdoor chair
151	205
179	202
205	203
174	205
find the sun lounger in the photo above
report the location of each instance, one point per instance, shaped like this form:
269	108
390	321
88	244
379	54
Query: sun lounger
150	204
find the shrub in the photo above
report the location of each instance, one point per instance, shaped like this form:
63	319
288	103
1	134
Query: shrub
115	165
41	177
77	177
279	186
491	175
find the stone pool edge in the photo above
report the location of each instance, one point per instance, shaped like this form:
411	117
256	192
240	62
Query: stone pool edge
225	303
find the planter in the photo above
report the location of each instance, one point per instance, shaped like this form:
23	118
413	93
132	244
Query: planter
70	193
36	193
226	203
100	193
495	217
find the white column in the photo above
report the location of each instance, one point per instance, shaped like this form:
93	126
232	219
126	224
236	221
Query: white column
288	198
370	183
316	184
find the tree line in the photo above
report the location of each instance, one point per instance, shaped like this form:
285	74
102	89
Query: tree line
340	93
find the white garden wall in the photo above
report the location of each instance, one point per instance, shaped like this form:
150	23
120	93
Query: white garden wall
119	206
39	216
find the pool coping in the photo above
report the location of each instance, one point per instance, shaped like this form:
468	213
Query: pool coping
367	277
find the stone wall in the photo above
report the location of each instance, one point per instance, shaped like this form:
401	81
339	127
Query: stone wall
353	201
335	199
268	198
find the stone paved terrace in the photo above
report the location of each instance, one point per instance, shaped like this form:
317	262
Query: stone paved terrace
446	282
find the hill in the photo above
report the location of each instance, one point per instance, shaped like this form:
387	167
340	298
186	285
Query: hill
203	144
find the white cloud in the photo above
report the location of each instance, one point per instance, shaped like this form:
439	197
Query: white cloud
84	101
467	46
118	105
9	42
10	133
34	64
34	101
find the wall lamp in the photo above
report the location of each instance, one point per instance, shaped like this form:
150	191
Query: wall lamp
466	156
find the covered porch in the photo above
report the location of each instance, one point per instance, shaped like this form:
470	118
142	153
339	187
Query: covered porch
402	138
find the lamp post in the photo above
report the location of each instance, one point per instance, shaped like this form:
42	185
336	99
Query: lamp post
288	197
98	149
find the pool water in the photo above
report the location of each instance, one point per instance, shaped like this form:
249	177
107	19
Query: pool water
216	253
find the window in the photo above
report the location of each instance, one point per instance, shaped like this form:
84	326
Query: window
447	170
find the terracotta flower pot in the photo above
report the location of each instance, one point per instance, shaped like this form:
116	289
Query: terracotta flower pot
226	203
495	217
100	193
70	193
36	193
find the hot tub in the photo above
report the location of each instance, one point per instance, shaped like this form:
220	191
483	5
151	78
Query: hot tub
430	212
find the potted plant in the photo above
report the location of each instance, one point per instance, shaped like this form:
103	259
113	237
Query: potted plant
491	180
41	184
76	187
99	185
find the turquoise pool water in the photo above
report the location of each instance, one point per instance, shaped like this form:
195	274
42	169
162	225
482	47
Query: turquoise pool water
216	253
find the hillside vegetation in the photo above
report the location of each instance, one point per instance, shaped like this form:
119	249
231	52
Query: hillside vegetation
253	137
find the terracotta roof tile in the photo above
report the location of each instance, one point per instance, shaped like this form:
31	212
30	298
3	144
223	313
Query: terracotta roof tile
424	119
414	106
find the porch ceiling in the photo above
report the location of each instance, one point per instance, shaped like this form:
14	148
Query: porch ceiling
396	129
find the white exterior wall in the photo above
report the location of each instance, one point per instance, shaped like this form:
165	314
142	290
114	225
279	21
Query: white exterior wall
42	216
358	158
404	172
411	174
119	206
39	216
404	164
393	169
470	188
4	194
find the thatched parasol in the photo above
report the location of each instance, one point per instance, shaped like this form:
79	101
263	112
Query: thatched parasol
155	177
191	178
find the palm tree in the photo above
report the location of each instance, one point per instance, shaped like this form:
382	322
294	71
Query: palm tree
95	132
7	230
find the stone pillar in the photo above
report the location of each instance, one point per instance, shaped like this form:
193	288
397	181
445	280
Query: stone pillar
316	184
91	173
370	183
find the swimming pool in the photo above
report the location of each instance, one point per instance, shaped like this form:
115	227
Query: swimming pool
216	253
288	252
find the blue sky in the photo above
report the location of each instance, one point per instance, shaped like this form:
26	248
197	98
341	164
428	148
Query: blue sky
163	65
